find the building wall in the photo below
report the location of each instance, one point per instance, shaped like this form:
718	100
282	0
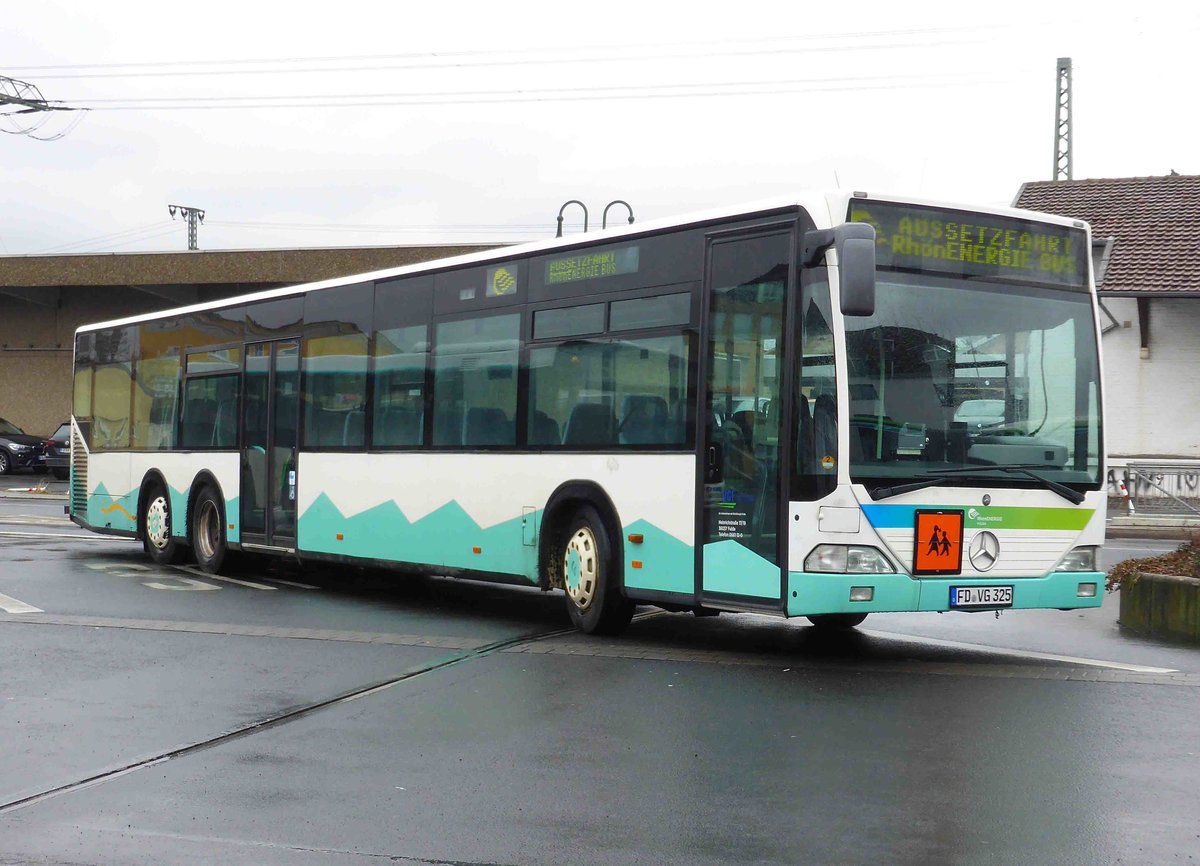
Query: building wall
1153	404
36	350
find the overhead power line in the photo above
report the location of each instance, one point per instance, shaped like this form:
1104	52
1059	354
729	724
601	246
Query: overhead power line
369	228
24	111
520	95
112	239
443	63
523	56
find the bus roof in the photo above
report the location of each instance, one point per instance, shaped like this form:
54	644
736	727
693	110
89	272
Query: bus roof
826	208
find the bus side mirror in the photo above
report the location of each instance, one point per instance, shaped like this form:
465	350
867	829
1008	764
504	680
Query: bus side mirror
854	244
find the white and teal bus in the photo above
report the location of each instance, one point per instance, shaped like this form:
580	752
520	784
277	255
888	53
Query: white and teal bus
824	407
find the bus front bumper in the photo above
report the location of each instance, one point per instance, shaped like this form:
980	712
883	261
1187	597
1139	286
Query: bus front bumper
810	593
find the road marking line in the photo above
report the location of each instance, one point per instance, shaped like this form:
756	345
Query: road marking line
12	605
204	574
82	536
1024	654
291	583
187	584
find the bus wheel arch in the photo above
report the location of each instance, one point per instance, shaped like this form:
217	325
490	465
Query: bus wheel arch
206	523
156	520
580	530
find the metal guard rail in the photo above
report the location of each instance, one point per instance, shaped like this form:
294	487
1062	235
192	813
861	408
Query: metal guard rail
1164	488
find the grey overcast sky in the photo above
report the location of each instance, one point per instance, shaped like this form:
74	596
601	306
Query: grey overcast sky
368	123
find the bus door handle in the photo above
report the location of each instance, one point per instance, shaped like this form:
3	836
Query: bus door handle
713	470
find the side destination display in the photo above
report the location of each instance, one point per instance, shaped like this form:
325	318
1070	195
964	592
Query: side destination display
974	245
589	266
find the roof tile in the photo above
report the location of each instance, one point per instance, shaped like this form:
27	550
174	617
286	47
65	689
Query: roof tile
1155	222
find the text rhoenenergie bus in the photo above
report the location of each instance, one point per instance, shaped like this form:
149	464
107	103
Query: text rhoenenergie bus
824	407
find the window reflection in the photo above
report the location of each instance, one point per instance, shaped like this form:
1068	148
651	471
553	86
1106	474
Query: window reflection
951	374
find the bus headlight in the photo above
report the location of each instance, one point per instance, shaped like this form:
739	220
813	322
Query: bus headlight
1079	559
847	559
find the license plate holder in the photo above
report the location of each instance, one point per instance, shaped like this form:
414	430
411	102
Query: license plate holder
981	596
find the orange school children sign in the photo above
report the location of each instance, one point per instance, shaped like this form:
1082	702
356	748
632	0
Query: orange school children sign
937	542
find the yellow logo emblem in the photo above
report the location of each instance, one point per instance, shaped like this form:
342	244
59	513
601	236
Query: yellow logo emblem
503	282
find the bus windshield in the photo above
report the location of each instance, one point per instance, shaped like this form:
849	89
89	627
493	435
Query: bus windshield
953	375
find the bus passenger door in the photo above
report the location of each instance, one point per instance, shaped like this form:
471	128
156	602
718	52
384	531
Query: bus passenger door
741	546
269	441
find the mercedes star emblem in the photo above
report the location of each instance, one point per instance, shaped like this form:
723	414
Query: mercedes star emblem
985	550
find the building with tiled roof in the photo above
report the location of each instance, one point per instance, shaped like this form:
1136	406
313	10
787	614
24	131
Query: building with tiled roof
1146	252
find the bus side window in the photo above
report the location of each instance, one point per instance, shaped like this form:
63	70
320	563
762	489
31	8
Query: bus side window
630	392
475	368
815	467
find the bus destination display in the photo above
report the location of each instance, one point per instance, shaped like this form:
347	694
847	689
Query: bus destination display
974	245
589	266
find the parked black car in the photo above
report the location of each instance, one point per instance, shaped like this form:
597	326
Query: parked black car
58	451
19	450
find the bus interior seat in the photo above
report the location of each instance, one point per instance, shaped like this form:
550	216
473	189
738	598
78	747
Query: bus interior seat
326	427
644	420
399	427
486	425
804	439
590	424
543	430
745	420
199	417
111	432
913	399
824	429
285	420
224	428
447	425
354	428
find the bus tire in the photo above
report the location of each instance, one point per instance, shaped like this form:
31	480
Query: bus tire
208	530
833	621
591	578
157	522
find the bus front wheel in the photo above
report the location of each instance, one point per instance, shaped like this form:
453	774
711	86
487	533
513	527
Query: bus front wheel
157	538
594	598
208	531
836	620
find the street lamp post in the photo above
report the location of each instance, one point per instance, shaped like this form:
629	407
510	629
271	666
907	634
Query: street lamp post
564	207
604	217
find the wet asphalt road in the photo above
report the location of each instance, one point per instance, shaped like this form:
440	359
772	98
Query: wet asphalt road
152	715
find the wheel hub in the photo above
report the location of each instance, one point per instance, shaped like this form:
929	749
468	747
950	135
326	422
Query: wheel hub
158	523
581	567
207	529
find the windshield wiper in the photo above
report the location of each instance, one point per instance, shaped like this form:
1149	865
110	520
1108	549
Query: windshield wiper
1020	468
885	492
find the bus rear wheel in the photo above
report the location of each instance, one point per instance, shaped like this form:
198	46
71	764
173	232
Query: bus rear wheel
208	531
833	621
595	602
156	519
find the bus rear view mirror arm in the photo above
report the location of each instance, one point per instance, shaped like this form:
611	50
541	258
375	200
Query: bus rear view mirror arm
855	247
